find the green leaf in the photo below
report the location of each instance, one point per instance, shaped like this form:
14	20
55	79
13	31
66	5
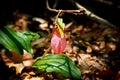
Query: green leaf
30	35
15	41
58	63
61	26
8	43
27	36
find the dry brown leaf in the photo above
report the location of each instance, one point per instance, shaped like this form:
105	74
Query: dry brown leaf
86	61
34	78
89	49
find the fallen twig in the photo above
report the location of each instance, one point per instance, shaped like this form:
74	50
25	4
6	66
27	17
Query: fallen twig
76	12
94	16
83	10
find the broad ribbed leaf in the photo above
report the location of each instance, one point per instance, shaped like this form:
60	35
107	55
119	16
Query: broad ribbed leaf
15	41
8	43
30	35
59	64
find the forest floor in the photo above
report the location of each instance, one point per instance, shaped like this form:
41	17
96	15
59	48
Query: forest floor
94	47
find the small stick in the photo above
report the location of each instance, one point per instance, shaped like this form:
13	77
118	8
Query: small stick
76	12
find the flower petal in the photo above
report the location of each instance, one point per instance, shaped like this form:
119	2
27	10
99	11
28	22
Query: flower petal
58	44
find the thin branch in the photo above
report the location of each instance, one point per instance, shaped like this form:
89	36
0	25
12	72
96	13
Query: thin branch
95	17
57	18
82	10
76	12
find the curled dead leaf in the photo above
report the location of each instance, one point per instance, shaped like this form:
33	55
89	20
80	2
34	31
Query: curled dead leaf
89	49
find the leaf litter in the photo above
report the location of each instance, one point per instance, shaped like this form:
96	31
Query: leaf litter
93	48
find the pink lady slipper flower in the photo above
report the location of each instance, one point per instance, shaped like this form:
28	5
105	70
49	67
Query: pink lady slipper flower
58	43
